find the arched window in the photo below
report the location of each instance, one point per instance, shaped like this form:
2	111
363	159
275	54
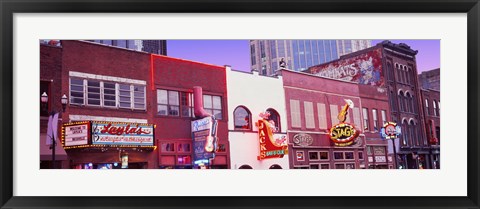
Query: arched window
413	132
245	167
426	107
390	71
412	101
242	118
408	102
405	132
275	166
401	99
275	117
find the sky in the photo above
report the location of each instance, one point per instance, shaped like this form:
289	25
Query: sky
236	53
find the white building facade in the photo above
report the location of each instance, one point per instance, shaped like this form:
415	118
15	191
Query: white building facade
250	94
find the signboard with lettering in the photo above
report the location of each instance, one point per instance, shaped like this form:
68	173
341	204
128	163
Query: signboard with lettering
270	147
302	140
76	134
121	134
390	130
343	134
204	134
365	68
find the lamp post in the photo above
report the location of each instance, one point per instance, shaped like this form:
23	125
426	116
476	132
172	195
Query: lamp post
44	100
394	153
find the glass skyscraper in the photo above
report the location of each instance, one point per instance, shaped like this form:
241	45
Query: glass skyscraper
150	46
298	55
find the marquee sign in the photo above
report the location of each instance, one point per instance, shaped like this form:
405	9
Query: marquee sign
365	68
269	146
76	134
111	133
390	130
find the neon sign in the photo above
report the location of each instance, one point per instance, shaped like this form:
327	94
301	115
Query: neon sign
344	134
270	147
109	133
390	130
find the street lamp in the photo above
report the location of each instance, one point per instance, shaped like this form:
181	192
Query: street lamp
44	100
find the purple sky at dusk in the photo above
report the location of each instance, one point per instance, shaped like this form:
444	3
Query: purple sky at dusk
236	53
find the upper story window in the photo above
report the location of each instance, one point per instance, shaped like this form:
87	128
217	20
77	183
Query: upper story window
426	107
106	94
435	111
275	117
365	119
375	120
242	118
213	105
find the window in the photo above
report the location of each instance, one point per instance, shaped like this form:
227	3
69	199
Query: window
360	155
323	155
435	108
322	117
350	166
183	147
106	94
309	119
275	117
76	91
365	119
426	107
245	167
213	105
221	148
324	166
295	113
314	166
93	92
252	54
401	101
124	96
356	117
167	102
138	97
375	120
313	155
339	166
109	95
349	155
338	155
242	118
384	117
168	147
186	101
184	160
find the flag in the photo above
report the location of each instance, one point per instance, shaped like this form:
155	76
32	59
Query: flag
52	128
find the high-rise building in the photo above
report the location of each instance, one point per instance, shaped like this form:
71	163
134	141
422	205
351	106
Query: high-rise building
430	79
349	46
150	46
268	56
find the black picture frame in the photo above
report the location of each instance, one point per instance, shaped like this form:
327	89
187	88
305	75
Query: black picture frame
10	7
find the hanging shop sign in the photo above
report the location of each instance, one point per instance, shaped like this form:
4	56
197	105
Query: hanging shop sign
365	68
76	133
302	140
204	134
270	147
112	133
344	134
390	130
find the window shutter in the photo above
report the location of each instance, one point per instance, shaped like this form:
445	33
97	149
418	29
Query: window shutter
322	117
295	113
334	114
309	118
356	118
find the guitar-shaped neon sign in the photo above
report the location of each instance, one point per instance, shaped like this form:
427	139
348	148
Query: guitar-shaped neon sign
342	116
211	138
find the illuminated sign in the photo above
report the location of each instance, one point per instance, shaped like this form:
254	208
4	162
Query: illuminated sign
269	146
111	133
302	139
77	134
204	134
365	68
390	130
343	134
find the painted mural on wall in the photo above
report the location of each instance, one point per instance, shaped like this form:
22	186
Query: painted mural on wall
365	69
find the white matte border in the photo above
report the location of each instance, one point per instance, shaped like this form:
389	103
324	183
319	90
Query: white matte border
450	180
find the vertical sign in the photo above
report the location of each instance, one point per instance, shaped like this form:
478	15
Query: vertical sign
204	134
